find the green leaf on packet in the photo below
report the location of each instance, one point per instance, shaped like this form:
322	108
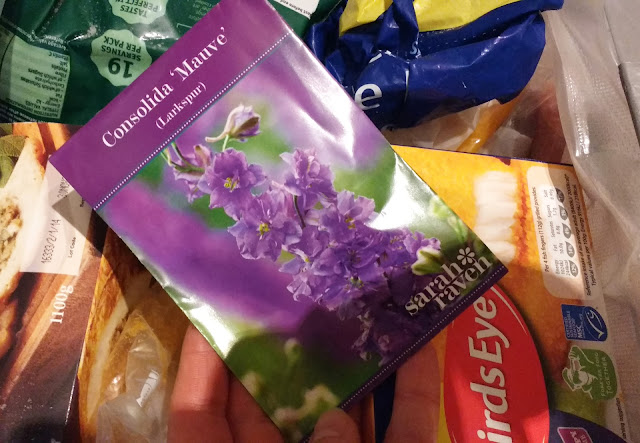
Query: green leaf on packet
479	247
455	231
458	226
10	149
438	209
430	261
11	145
373	183
6	129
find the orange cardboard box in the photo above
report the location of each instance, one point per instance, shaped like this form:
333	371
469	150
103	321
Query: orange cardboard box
531	359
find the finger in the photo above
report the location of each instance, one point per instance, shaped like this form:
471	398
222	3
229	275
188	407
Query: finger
355	413
199	399
416	403
335	426
248	421
367	421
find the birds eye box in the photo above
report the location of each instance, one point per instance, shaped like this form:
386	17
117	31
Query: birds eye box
531	359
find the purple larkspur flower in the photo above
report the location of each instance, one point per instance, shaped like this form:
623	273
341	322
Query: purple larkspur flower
349	269
387	330
229	180
403	246
305	283
242	123
190	169
343	218
417	240
333	292
311	243
309	179
395	252
382	336
357	256
212	267
267	224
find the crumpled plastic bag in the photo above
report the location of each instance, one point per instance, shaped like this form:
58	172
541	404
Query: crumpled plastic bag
401	76
526	127
139	412
605	151
447	132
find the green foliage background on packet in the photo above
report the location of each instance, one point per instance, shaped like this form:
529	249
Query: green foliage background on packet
290	374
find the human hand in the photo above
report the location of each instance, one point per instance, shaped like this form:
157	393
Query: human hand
210	404
416	406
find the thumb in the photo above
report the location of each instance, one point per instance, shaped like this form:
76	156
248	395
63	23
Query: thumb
335	426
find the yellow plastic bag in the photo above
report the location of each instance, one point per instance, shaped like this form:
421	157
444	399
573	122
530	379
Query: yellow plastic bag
432	15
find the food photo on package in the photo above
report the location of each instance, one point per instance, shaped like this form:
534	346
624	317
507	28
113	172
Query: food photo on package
269	207
49	259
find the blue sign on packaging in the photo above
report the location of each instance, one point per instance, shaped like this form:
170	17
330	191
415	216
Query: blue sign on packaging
583	323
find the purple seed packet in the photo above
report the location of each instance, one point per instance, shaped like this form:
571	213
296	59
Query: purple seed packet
310	256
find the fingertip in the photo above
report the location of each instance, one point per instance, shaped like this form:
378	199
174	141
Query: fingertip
202	380
247	420
335	426
420	362
416	403
194	341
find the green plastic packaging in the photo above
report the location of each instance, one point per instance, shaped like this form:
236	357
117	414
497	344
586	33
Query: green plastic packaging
64	60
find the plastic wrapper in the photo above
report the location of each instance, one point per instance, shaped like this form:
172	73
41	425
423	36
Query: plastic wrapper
623	18
447	132
525	127
131	353
401	68
64	60
139	412
604	149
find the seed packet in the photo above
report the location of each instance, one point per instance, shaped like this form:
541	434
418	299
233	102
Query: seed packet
269	207
49	258
64	60
532	359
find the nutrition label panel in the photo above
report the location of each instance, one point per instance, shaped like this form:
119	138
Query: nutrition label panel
561	233
33	79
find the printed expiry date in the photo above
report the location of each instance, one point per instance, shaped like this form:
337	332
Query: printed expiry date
63	189
50	241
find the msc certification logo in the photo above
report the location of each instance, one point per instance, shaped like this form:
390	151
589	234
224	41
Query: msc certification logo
583	323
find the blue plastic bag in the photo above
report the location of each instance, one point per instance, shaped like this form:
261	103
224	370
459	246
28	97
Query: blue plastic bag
400	76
